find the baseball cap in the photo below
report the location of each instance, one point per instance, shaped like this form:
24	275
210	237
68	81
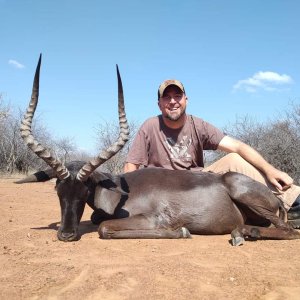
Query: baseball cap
167	83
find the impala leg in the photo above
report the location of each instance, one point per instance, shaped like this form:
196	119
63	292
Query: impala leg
139	227
257	232
263	203
259	205
283	231
255	196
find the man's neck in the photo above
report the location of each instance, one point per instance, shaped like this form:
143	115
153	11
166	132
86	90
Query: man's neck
175	124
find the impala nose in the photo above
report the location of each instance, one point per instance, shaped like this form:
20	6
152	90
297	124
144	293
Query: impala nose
67	236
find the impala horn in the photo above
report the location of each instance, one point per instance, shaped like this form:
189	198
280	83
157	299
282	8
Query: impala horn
105	155
60	170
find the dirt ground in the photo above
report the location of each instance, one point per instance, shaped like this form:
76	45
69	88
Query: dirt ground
35	265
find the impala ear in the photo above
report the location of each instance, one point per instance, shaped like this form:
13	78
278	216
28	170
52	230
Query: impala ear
40	176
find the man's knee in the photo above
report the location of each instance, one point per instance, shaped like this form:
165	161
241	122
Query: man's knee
229	162
233	162
235	159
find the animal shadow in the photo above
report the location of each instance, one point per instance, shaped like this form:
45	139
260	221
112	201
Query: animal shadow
85	227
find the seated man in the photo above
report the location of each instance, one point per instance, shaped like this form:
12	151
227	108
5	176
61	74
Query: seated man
176	140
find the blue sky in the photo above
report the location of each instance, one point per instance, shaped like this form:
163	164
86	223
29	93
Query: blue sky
234	58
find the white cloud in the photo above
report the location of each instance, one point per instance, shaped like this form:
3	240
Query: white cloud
268	81
16	64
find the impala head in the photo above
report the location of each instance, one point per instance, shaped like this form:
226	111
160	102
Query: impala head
73	180
72	194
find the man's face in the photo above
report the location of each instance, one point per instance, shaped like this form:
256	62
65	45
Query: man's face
173	103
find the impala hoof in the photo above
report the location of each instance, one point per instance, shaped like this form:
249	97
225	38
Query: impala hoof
237	241
185	233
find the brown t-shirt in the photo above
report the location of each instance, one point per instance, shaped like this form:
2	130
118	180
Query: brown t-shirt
156	145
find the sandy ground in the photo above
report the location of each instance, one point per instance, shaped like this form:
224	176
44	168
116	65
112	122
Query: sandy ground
35	265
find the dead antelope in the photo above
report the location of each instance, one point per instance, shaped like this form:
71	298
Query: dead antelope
154	203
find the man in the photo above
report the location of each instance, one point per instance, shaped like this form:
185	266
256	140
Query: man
176	140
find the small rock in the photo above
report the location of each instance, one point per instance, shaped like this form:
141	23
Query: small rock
231	279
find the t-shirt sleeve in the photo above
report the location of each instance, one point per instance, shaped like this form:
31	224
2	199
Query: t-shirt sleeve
138	151
210	135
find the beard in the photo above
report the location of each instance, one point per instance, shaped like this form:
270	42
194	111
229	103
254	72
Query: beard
175	116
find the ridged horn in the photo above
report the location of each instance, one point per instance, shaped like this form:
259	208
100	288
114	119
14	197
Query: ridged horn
105	155
60	170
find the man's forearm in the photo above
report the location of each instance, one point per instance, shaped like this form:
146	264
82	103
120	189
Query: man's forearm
254	158
278	178
229	144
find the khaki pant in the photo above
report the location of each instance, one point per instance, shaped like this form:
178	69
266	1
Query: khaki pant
234	162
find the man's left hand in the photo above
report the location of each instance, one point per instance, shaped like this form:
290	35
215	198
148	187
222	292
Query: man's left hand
281	180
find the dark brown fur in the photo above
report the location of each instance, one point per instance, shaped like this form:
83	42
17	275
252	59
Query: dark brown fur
160	203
